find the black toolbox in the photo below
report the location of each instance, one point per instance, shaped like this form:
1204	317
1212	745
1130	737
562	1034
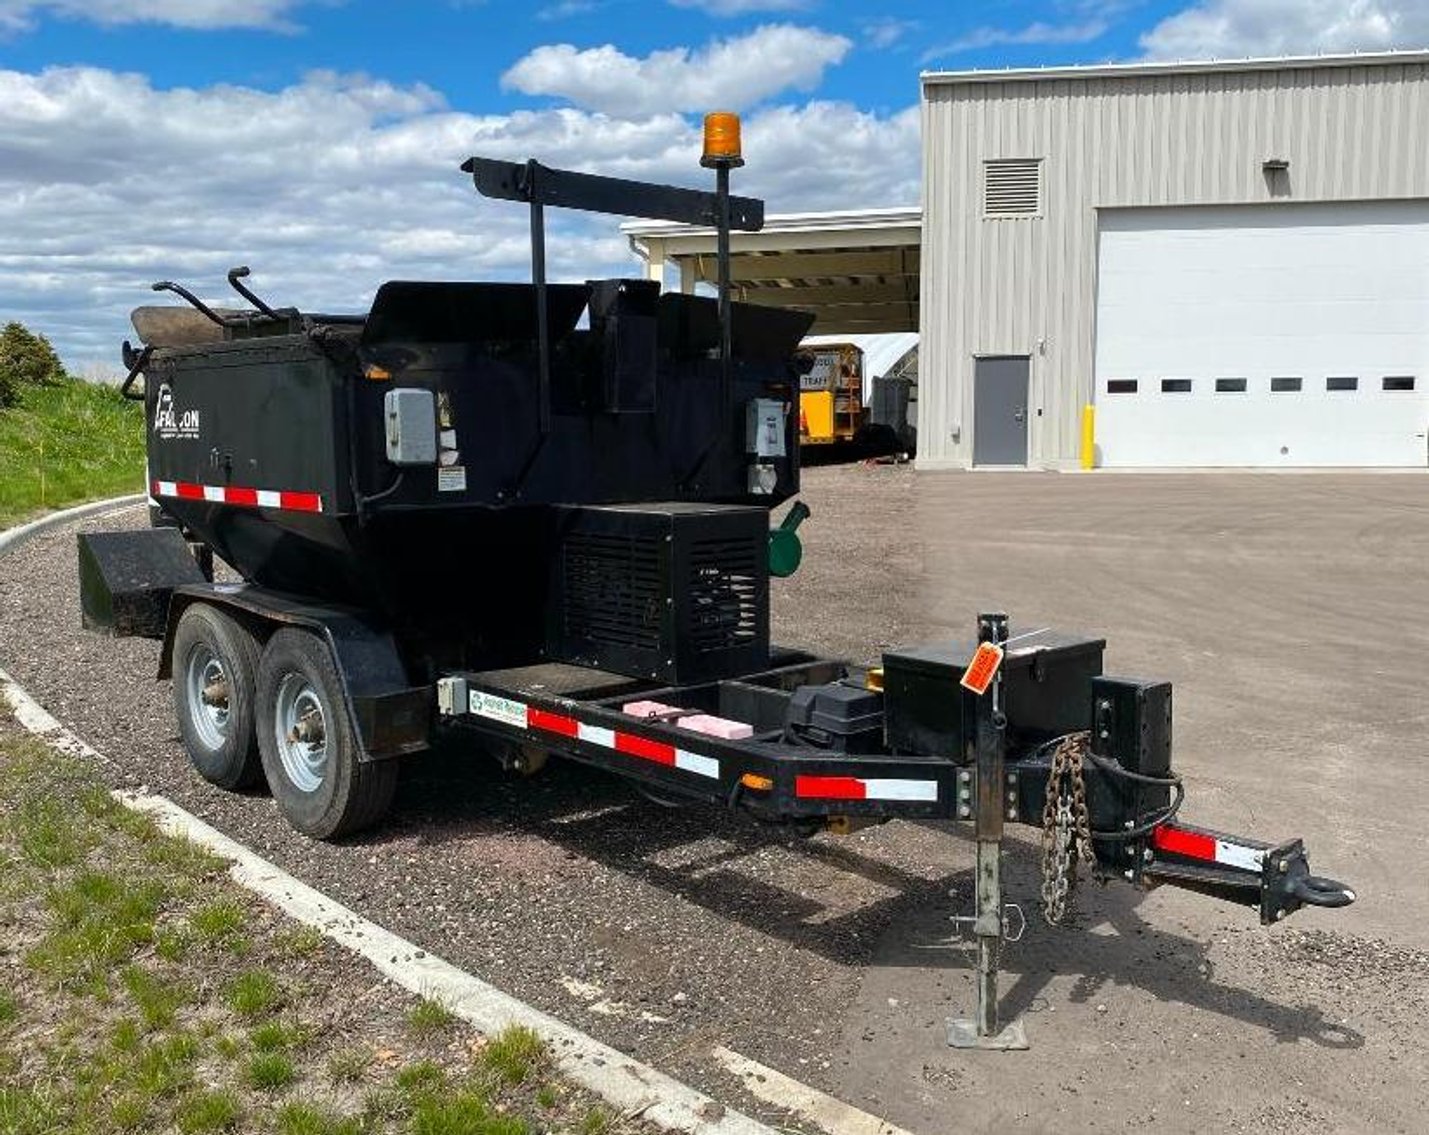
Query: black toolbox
1047	691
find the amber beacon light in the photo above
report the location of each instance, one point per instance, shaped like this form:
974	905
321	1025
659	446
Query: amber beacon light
722	146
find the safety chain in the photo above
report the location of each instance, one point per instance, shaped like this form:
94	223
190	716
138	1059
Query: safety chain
1066	828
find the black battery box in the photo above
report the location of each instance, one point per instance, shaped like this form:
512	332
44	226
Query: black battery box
839	716
1047	692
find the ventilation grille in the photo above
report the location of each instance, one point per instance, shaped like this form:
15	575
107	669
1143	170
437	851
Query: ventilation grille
613	590
1012	187
724	594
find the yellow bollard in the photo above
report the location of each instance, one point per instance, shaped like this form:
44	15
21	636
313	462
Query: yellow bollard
1089	436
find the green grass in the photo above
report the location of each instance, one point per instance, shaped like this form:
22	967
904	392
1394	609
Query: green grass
300	942
253	993
514	1054
429	1016
156	999
303	1119
270	1071
165	1067
276	1036
60	445
421	1079
463	1113
218	920
136	1016
100	921
598	1121
205	1111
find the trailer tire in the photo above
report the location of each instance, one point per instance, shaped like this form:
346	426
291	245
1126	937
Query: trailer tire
305	735
211	647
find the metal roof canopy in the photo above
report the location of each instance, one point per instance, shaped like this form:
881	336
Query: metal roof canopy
854	271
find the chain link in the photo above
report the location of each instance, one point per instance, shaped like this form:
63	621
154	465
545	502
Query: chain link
1066	826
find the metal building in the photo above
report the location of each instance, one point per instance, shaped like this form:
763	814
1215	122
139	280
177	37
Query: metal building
1229	259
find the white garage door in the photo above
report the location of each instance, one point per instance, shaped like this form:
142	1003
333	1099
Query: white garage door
1275	335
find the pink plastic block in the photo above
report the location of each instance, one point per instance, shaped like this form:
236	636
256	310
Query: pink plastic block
716	727
650	709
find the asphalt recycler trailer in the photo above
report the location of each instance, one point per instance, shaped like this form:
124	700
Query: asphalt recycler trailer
538	516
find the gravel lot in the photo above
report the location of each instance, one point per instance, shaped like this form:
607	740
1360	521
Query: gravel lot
1290	611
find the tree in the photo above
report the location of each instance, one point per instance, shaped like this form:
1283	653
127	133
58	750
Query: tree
26	359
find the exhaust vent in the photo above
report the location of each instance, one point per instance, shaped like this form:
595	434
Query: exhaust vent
724	592
613	590
1012	187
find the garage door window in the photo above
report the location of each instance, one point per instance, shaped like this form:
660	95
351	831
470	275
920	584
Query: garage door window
1342	382
1284	385
1230	386
1175	386
1121	386
1399	382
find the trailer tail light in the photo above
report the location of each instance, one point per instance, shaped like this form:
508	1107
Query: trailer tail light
376	373
756	782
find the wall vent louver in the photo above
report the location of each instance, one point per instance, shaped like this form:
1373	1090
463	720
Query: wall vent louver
1012	187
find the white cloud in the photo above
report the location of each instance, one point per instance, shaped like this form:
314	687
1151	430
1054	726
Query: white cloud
727	74
333	185
20	15
1039	33
886	32
565	10
1235	28
743	7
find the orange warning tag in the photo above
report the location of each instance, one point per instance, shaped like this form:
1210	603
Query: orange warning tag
983	668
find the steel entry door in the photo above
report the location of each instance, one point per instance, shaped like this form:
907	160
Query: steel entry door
1000	410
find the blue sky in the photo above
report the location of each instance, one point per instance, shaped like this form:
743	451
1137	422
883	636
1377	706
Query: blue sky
461	47
318	140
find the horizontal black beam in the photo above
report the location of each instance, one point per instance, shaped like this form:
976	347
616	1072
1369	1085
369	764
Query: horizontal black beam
534	183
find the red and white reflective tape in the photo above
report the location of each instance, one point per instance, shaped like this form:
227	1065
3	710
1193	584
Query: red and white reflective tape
1199	845
234	494
864	788
516	713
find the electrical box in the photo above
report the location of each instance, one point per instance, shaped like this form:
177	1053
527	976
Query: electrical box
764	427
411	417
848	719
1131	724
1047	692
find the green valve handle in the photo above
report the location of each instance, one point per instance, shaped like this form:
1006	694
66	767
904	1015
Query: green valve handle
785	549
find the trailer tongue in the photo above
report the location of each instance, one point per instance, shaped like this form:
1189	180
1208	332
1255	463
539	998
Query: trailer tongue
465	513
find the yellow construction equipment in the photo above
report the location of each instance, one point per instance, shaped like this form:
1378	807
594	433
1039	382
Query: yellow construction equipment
831	394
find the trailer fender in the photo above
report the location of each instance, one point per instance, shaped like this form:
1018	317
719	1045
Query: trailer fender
126	579
389	715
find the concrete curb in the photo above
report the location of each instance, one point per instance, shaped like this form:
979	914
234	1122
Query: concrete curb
633	1087
12	538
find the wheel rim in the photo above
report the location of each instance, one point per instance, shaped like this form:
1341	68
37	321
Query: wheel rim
208	696
300	728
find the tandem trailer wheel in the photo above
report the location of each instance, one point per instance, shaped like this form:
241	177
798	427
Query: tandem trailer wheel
214	672
305	735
